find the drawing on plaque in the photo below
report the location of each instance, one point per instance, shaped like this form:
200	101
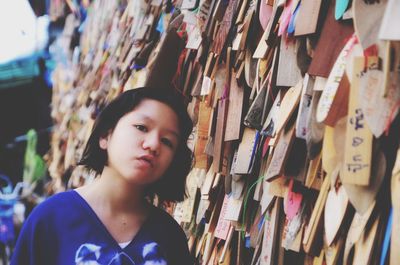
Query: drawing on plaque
357	141
358	120
354	167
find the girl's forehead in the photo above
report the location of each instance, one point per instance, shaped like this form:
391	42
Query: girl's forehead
146	102
156	112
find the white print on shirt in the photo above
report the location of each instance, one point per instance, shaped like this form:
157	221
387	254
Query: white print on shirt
91	254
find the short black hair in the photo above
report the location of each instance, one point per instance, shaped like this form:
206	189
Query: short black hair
171	186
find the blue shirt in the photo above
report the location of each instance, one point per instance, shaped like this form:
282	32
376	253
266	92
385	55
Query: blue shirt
64	229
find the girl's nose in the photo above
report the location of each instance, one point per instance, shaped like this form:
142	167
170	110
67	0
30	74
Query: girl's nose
152	143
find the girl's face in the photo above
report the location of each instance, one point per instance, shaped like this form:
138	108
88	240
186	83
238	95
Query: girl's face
143	143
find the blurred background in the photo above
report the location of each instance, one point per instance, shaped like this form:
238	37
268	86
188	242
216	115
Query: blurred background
29	30
25	83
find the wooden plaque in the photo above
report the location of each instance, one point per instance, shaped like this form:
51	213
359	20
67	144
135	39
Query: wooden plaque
367	20
307	17
330	43
376	107
336	207
356	230
364	248
288	105
223	226
304	107
202	136
189	203
391	17
288	71
280	155
332	84
219	134
312	242
245	151
235	109
358	150
270	244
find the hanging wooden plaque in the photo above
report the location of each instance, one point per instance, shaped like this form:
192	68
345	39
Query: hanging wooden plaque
358	150
307	17
235	109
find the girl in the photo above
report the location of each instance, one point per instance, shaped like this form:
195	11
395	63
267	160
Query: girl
138	147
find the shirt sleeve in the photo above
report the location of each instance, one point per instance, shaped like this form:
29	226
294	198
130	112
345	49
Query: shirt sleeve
23	252
31	243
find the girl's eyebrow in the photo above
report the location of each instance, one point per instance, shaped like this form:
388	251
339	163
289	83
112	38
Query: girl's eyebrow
173	132
147	118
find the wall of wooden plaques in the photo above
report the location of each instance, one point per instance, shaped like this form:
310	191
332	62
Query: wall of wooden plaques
295	105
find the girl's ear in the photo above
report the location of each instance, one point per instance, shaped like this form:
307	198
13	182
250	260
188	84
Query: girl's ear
103	143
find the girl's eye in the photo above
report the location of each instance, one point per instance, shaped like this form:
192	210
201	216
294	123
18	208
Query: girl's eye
141	127
167	142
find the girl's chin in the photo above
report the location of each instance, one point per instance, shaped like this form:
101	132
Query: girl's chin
140	178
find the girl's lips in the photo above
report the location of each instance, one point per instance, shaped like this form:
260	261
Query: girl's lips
144	163
147	159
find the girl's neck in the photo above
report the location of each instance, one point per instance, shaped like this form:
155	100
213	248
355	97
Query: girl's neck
114	193
120	207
